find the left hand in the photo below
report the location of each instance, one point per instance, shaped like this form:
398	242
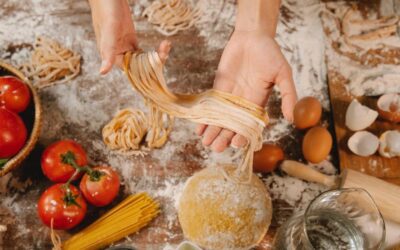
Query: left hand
249	67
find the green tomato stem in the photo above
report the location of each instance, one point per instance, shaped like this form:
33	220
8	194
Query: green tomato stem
3	162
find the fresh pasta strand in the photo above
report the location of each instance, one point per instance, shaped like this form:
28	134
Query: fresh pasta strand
51	63
128	217
145	72
172	16
126	131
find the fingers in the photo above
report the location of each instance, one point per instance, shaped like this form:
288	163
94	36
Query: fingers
210	134
238	141
222	141
200	129
163	50
288	92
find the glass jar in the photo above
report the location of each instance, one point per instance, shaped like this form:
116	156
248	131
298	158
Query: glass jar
344	219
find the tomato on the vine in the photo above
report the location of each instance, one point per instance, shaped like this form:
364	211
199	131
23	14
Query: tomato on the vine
14	94
13	133
63	204
100	186
59	158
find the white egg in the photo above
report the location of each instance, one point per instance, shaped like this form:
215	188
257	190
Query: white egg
390	144
363	143
359	117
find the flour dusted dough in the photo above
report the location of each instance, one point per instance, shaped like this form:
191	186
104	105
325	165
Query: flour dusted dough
220	214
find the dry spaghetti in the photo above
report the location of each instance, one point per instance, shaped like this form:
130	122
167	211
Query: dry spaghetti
172	16
51	63
145	72
132	214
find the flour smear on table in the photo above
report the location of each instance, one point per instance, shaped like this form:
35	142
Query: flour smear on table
80	108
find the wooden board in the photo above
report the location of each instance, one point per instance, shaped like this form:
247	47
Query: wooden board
375	165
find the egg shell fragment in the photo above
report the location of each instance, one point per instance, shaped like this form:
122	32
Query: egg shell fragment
389	107
359	117
363	143
389	144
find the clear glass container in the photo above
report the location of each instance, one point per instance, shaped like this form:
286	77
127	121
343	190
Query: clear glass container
344	219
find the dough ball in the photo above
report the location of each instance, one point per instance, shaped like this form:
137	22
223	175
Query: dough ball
218	213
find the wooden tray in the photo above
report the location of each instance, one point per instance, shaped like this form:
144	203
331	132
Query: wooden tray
375	165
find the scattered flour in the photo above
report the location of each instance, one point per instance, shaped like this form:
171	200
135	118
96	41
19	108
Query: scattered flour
86	103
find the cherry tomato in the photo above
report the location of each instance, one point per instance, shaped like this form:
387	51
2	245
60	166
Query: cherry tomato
57	157
101	186
65	206
267	159
13	133
14	94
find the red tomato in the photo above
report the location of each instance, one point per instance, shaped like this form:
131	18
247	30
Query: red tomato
13	133
101	186
66	208
14	94
54	164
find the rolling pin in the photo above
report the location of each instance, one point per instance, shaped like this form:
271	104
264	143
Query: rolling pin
385	195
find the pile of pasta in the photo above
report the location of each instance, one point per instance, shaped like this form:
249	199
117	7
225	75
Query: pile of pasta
172	16
145	72
51	63
127	131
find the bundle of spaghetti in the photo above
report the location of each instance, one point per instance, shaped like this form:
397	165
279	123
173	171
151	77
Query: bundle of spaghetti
132	214
145	72
172	16
51	63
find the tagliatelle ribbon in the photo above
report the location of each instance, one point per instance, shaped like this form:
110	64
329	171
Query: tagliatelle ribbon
212	107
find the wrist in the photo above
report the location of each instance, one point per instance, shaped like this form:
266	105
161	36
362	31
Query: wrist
257	16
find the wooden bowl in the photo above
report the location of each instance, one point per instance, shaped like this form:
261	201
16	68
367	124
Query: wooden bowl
31	117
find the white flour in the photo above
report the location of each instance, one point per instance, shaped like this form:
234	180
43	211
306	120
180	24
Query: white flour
84	105
363	79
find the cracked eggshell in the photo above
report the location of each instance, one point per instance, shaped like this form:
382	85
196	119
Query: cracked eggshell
359	117
389	107
363	143
390	144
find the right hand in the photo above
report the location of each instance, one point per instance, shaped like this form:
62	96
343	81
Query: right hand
115	31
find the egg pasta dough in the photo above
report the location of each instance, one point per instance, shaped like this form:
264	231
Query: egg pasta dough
132	214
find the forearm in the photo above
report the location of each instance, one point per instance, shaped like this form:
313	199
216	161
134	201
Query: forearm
258	15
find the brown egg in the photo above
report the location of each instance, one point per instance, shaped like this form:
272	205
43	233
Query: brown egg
317	144
307	112
267	159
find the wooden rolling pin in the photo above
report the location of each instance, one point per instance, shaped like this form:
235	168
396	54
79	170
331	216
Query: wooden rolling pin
385	195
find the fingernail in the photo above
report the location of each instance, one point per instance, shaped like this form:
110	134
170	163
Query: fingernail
234	146
103	66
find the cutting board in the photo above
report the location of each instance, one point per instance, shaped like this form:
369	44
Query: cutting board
375	165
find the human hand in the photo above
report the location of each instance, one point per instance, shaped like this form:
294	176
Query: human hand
115	31
249	67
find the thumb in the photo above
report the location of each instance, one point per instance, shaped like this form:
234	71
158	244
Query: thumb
287	88
108	51
163	50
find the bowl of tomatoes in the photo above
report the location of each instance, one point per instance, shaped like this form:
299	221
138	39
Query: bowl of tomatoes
20	118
